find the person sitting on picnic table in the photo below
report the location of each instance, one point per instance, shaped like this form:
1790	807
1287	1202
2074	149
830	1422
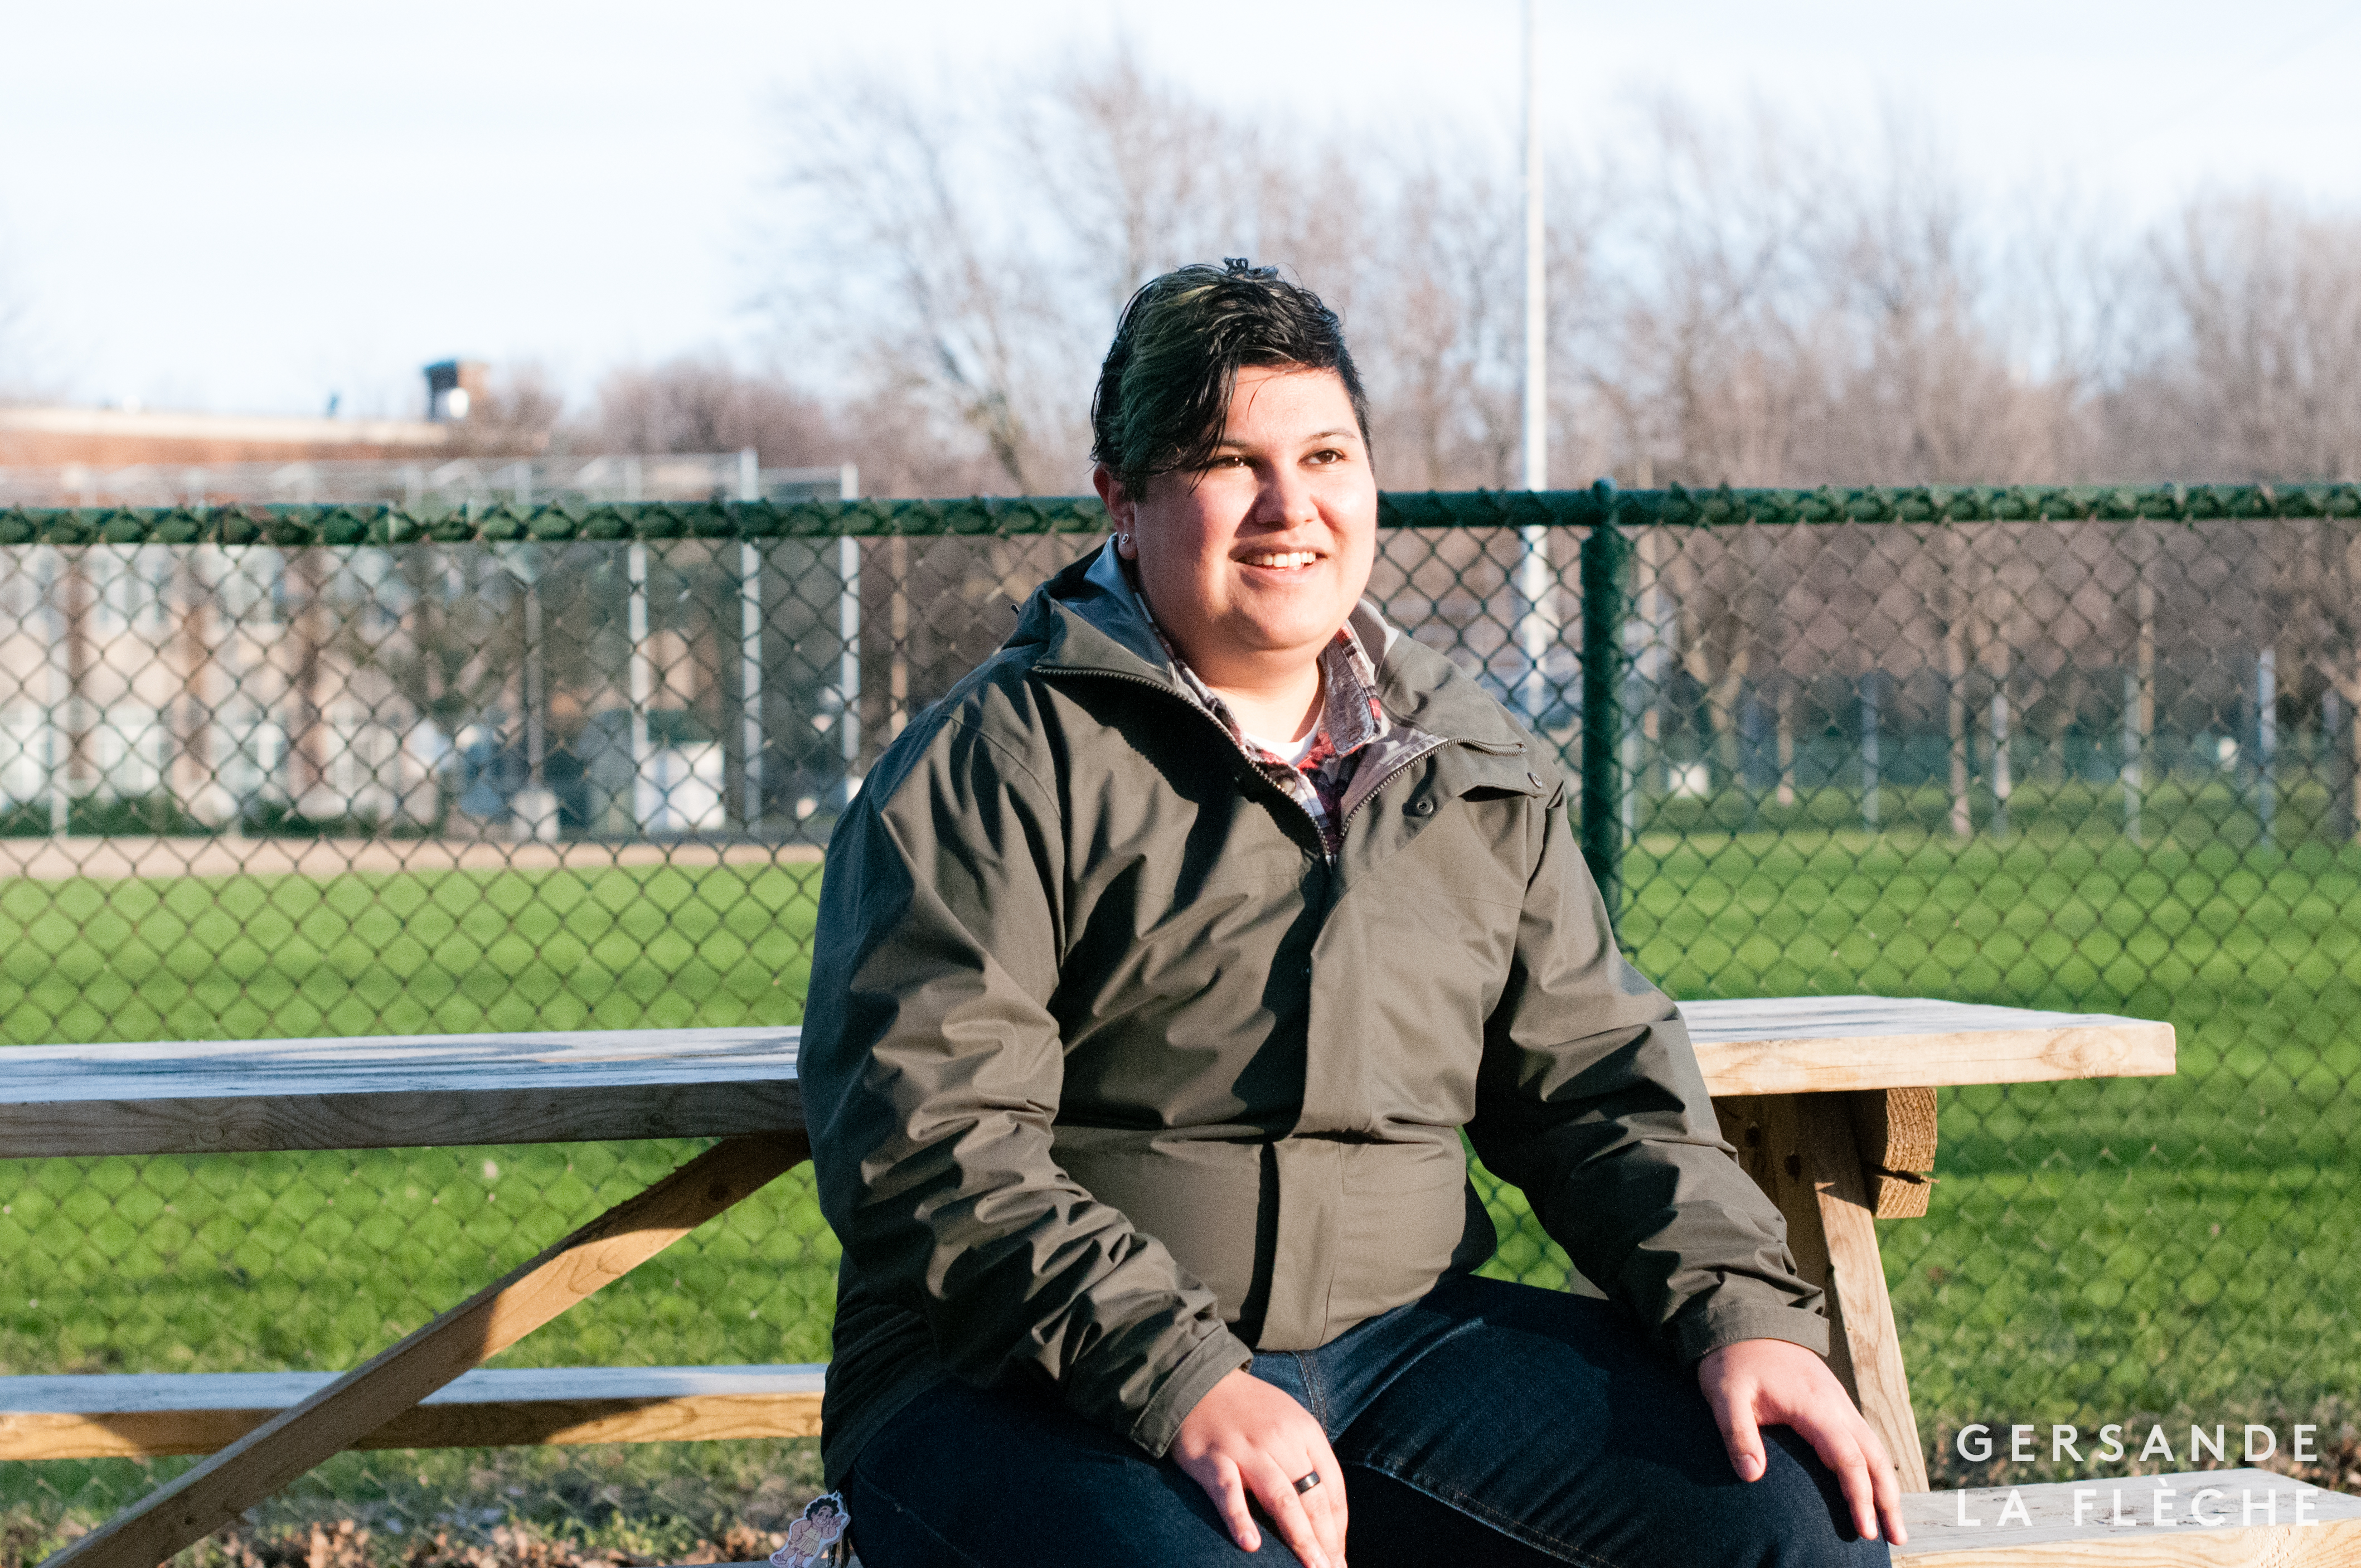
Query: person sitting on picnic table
1160	967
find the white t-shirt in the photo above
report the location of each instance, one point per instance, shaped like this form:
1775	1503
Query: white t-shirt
1288	751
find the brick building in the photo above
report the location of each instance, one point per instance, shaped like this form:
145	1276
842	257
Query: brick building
120	438
36	437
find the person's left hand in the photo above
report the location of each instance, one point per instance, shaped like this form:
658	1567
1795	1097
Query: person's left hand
1757	1383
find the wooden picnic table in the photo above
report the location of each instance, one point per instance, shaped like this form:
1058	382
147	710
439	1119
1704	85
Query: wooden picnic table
1828	1101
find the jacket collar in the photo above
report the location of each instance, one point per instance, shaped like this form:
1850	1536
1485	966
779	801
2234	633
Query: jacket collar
1109	602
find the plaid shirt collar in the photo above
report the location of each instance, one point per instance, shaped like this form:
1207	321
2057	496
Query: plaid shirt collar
1352	720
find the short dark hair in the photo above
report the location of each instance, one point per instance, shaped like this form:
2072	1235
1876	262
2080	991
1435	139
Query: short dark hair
1164	388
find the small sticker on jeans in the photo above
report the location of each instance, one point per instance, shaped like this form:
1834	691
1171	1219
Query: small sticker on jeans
817	1537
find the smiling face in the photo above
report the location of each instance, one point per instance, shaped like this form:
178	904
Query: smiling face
1252	563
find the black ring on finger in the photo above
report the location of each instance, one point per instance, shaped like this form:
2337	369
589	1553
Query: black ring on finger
1307	1482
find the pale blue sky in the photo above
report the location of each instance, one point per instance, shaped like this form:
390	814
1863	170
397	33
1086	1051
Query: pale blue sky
250	203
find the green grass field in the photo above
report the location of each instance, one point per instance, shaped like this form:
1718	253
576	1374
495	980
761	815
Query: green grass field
2097	1251
445	952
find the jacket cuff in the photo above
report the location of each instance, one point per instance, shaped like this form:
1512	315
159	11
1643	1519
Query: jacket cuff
1217	1355
1700	1335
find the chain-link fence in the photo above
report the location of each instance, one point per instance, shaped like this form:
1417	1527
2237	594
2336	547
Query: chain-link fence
291	772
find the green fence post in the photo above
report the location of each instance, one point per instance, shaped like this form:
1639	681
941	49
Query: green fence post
1603	612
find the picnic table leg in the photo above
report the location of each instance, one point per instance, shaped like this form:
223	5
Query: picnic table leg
212	1493
1800	1148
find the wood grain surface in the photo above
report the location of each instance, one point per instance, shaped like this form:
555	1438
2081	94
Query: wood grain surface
92	1416
1894	1129
1816	1044
213	1493
2042	1531
386	1091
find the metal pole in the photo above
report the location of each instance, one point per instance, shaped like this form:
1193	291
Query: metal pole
1603	611
2003	782
1869	759
1536	301
536	688
642	673
2266	738
534	807
57	743
898	632
642	676
1787	740
2131	768
2332	721
1659	644
750	641
848	626
1961	602
2139	684
1536	628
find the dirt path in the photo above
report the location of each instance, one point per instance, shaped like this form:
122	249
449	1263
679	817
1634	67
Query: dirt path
60	859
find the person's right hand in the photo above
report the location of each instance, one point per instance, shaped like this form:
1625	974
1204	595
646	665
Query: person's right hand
1246	1439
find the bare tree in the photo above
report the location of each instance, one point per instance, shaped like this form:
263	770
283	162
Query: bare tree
1441	332
900	260
2257	375
1139	175
976	254
1715	360
703	403
1928	394
1792	313
1739	299
518	412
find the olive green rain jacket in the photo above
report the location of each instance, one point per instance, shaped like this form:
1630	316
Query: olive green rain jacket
1112	1076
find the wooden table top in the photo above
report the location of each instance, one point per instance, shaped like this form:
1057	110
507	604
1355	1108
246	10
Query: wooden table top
384	1091
1797	1045
397	1090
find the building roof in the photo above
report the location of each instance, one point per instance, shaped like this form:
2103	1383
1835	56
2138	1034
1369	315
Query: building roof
31	435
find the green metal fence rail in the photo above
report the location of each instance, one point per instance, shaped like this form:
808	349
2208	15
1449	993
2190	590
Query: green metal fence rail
290	526
320	771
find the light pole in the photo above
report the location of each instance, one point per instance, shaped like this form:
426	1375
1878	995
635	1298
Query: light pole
750	644
1536	280
1537	626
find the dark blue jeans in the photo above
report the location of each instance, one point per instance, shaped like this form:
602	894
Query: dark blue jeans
1488	1423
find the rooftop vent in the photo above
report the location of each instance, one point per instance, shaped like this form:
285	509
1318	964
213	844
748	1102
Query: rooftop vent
453	387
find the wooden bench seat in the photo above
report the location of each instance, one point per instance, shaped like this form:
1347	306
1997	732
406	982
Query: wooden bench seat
2259	1517
99	1415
